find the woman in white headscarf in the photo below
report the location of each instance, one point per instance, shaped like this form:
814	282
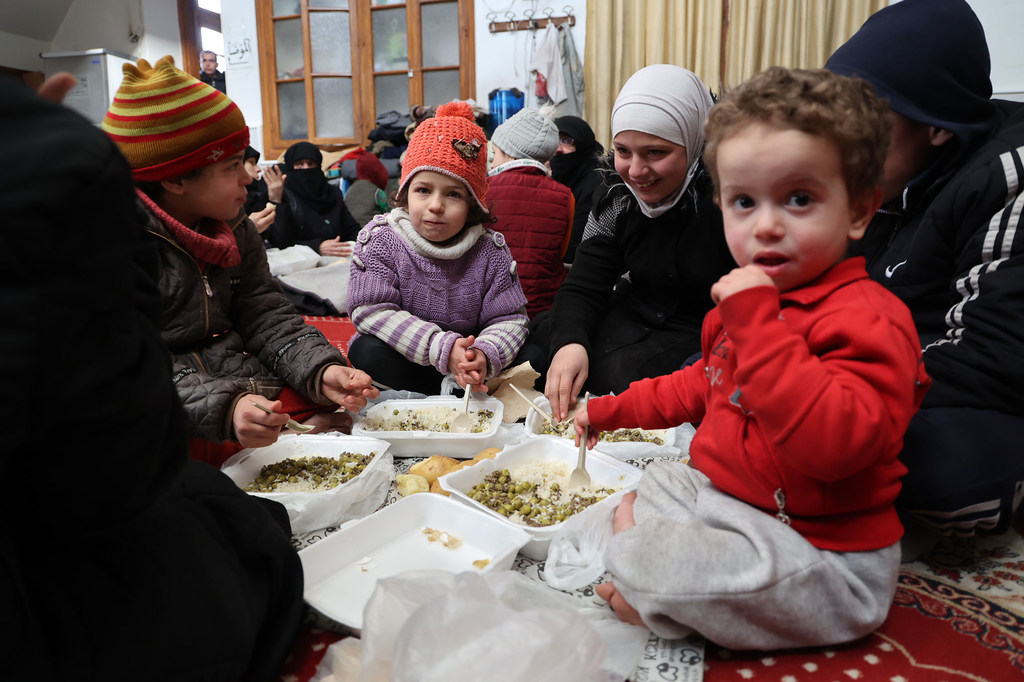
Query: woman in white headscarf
633	302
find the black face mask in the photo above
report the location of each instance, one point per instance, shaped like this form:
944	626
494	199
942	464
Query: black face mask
309	185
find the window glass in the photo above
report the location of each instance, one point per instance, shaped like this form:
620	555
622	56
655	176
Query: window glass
440	87
392	93
286	7
329	42
441	24
288	44
390	48
334	107
328	4
291	110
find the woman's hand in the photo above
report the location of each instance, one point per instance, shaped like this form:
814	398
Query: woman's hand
566	375
348	387
336	247
275	182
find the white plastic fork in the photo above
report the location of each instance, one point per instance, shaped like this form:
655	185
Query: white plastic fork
579	478
462	422
291	424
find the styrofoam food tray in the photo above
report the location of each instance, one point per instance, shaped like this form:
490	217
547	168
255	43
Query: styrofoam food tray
426	443
535	423
312	510
605	471
342	570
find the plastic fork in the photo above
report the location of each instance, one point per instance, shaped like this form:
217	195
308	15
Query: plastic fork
534	406
291	424
579	478
462	422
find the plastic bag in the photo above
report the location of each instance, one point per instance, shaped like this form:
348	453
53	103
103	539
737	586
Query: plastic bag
292	259
434	625
354	499
576	553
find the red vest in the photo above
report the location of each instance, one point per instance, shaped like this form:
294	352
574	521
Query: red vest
534	212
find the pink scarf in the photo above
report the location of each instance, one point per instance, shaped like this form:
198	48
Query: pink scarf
217	246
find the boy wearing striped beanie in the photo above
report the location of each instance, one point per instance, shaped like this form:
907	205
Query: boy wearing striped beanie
237	343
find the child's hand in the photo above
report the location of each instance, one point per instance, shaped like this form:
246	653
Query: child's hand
335	247
253	427
275	182
620	606
263	219
467	364
347	386
581	420
737	280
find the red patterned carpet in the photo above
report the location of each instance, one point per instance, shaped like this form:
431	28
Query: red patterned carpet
957	616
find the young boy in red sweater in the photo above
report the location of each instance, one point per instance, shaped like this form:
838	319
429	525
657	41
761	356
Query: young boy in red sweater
781	532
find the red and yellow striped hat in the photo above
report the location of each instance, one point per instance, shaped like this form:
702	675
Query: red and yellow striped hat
167	123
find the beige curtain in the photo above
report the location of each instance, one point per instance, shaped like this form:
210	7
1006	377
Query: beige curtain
797	33
626	35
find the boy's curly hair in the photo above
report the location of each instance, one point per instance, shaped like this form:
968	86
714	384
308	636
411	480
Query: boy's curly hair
818	102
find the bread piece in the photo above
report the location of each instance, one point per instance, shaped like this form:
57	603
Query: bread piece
409	484
434	466
435	487
489	453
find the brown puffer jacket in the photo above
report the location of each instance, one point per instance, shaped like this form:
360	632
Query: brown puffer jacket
232	332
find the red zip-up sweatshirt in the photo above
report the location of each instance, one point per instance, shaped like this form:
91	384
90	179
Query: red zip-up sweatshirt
802	400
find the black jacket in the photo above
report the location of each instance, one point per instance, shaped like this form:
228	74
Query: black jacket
119	558
957	261
671	261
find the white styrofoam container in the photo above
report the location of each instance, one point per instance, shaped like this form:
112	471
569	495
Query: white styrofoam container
342	570
605	471
309	511
624	449
426	443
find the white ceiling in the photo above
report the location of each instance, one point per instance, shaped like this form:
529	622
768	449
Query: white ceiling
36	19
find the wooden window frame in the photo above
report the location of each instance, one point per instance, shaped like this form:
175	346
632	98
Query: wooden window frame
360	37
191	18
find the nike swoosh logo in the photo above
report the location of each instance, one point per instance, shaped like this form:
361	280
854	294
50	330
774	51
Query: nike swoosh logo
892	268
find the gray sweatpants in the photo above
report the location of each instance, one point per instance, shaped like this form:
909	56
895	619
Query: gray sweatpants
699	559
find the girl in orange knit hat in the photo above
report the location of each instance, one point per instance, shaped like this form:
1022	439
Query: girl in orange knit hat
432	290
236	342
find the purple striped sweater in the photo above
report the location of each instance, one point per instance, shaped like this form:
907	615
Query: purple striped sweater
420	297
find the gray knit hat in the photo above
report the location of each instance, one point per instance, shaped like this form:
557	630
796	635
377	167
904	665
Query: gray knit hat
529	134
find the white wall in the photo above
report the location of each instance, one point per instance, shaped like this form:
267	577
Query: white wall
19	52
503	59
1003	21
242	64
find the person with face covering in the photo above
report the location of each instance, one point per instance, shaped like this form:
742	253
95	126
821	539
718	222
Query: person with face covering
948	241
312	211
633	302
576	164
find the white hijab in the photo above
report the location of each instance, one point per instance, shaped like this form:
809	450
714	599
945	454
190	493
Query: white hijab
669	102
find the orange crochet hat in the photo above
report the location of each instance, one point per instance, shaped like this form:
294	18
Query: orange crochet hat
450	143
167	123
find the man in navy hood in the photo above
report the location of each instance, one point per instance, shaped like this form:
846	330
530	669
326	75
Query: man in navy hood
949	242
